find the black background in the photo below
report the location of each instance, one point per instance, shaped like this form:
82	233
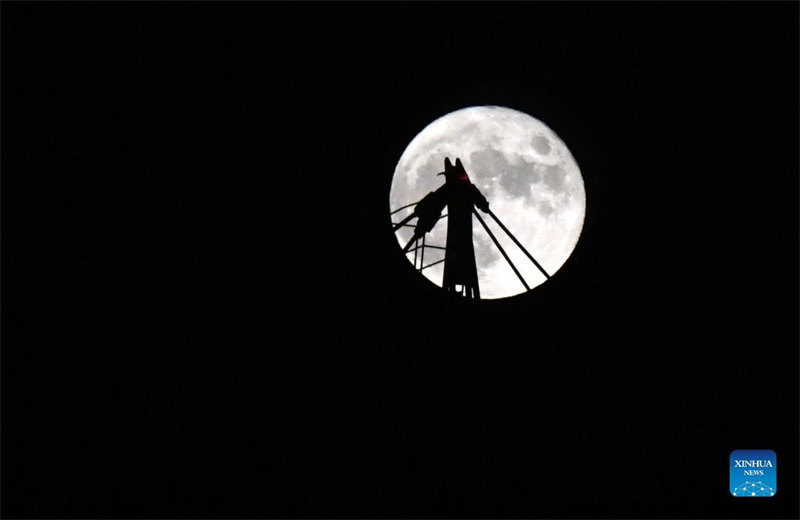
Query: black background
205	313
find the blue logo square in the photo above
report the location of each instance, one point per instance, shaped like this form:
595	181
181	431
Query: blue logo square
753	473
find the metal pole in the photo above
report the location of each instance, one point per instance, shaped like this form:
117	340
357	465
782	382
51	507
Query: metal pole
416	252
518	244
491	235
422	254
432	264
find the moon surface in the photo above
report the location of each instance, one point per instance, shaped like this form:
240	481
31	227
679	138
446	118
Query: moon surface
527	174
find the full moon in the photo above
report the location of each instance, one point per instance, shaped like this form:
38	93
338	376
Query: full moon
524	170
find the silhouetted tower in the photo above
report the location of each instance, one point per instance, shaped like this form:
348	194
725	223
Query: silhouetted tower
461	197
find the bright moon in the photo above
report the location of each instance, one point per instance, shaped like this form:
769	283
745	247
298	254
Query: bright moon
524	170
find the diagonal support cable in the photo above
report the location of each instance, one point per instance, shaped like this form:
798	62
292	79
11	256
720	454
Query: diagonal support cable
428	246
491	235
403	207
432	264
410	243
403	222
518	243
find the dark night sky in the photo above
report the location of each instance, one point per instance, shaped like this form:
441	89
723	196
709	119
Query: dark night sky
205	313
